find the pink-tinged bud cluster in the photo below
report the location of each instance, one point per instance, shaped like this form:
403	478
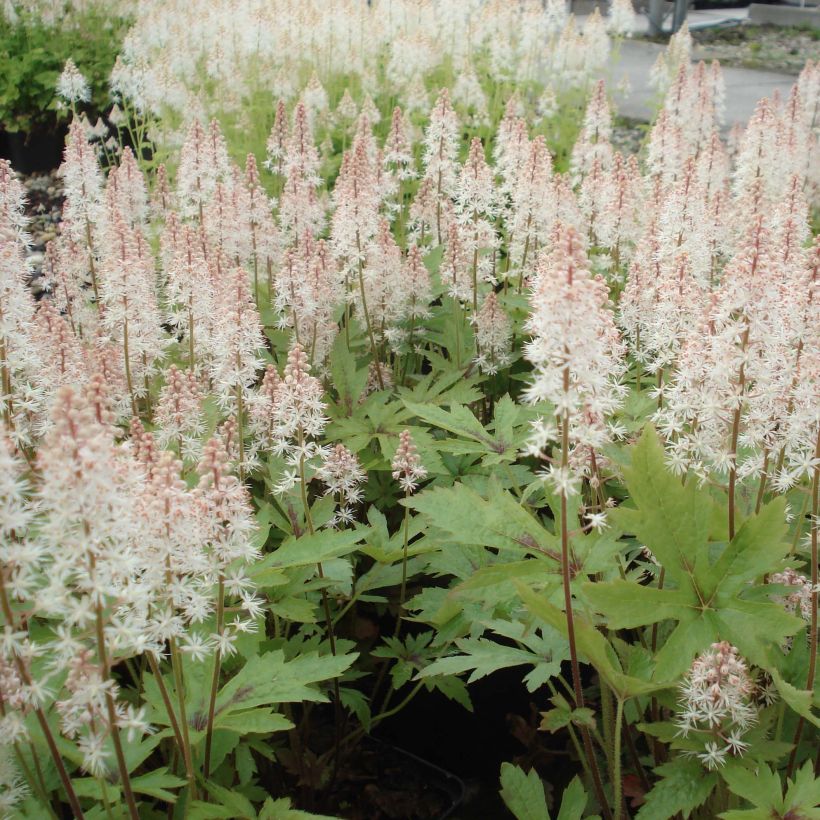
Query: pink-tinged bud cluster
532	209
19	558
178	414
357	198
493	334
235	338
18	362
276	146
226	504
715	704
593	145
203	162
798	600
343	478
297	410
407	467
300	209
83	186
398	152
441	147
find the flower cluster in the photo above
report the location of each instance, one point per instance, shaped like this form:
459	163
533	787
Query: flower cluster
715	704
407	467
410	39
799	599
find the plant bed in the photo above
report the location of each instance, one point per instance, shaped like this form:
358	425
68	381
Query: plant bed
758	46
405	437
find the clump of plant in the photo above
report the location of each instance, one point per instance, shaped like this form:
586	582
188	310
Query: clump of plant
510	411
34	52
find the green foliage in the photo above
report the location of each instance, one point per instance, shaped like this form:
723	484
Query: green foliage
33	55
683	787
762	789
523	794
708	584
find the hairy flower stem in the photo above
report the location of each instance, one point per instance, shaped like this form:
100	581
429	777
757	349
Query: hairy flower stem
240	430
524	258
127	362
5	383
331	635
191	355
573	652
367	316
105	670
658	751
8	614
38	783
475	263
91	266
220	626
607	722
179	685
438	192
403	589
166	700
761	490
741	383
812	673
617	786
181	728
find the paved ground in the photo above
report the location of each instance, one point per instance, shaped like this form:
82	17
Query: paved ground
630	67
744	86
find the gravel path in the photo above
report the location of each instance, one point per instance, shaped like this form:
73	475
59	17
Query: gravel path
44	209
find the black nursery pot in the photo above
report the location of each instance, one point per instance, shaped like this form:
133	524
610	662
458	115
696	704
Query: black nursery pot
34	151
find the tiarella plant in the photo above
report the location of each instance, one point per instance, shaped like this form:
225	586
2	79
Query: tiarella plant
514	400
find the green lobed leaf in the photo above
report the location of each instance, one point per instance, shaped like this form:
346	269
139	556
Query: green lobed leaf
573	801
523	794
671	518
157	784
684	786
760	785
592	645
499	521
313	549
482	656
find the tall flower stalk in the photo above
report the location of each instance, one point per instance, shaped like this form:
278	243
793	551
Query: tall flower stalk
577	359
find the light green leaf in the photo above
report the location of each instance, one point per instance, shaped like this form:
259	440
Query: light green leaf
592	645
755	550
483	656
500	521
280	810
761	786
348	379
573	801
157	783
803	794
627	605
234	801
253	721
684	786
312	549
672	519
523	794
